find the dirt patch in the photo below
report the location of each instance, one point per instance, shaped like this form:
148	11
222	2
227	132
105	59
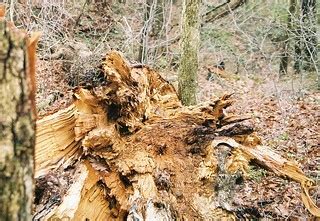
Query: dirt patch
53	93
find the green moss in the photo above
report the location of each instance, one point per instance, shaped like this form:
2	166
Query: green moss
284	136
219	36
256	78
280	11
256	173
189	53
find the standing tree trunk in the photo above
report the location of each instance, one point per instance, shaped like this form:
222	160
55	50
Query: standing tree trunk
284	57
189	55
297	50
286	43
309	31
306	38
153	29
158	18
298	40
17	122
143	49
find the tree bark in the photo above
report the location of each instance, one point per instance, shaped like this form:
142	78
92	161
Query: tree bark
189	51
284	57
298	51
309	19
17	122
306	54
158	18
143	48
284	60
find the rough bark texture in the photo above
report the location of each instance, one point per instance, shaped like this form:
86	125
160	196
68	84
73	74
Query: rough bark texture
189	51
306	52
17	122
298	50
284	62
309	26
158	18
143	49
128	150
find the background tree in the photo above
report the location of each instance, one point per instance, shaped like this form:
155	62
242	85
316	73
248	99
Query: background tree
308	8
305	48
302	28
189	51
152	27
143	49
158	17
17	122
286	42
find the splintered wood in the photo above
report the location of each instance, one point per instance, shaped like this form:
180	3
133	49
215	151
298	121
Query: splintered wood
127	149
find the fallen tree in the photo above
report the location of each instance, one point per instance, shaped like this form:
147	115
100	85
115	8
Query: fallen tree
222	10
127	149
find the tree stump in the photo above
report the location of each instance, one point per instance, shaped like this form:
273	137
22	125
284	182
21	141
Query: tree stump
126	149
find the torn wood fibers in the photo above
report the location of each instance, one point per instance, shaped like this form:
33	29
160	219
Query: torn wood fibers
127	149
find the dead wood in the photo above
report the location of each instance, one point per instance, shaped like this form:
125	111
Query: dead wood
127	149
222	10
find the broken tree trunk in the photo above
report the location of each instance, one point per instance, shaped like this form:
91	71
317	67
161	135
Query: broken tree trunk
222	10
126	149
17	121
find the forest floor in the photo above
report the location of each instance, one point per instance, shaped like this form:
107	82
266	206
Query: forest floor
287	119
